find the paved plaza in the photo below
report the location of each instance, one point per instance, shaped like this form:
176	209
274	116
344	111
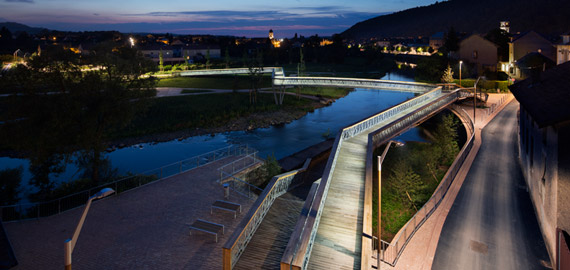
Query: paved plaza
145	228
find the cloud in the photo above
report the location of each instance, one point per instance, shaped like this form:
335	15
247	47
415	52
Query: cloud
20	1
95	14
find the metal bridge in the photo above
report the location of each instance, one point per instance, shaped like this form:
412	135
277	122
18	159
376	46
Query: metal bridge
280	80
334	229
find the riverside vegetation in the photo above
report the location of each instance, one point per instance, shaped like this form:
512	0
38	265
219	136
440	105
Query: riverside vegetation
412	173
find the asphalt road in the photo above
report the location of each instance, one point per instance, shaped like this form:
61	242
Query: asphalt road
492	224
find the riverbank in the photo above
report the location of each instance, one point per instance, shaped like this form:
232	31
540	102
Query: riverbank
250	119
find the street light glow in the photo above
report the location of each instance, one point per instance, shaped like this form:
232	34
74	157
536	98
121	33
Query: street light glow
132	41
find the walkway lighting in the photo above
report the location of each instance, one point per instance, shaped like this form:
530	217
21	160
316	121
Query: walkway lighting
70	243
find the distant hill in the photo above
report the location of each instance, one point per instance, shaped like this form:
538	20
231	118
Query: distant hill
472	16
18	27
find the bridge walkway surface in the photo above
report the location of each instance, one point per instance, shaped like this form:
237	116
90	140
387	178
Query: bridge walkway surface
265	249
338	241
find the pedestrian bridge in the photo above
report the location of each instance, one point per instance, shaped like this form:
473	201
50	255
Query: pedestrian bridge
280	80
330	234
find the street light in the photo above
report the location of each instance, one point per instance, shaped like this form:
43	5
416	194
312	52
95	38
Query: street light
475	96
70	243
132	41
460	62
379	183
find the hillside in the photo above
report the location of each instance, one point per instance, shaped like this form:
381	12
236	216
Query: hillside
18	27
469	16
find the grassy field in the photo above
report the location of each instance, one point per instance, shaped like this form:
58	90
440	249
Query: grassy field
169	114
193	91
328	92
213	82
410	175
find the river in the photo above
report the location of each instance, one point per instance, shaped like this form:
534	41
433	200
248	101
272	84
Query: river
281	140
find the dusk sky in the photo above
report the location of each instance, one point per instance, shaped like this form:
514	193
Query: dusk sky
251	18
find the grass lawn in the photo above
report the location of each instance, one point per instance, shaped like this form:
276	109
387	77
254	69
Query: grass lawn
192	91
329	92
169	114
213	82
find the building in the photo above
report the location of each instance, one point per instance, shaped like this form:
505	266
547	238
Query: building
544	152
477	50
524	44
563	49
436	41
276	43
505	26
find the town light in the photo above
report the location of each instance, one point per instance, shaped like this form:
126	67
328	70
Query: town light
460	62
70	243
132	41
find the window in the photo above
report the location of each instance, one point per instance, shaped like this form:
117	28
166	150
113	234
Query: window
475	54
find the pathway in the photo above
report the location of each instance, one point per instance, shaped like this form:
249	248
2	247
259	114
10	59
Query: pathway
145	228
492	224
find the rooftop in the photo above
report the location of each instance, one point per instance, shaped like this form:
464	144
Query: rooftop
546	100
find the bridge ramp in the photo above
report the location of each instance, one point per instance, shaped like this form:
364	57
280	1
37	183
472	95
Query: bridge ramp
338	241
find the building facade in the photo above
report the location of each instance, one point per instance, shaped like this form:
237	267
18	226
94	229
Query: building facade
563	49
477	50
544	150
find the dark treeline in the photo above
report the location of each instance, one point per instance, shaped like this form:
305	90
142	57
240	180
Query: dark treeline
58	112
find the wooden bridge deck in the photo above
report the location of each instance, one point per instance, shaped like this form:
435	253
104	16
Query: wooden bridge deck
338	241
266	248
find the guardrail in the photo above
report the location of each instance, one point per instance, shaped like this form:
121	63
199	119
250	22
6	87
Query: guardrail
237	166
237	243
52	207
290	260
309	231
227	71
392	251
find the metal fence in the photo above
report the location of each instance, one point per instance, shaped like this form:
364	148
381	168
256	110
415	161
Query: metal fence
392	251
237	166
56	206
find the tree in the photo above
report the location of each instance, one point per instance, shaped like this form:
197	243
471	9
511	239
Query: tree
208	63
161	61
9	185
255	75
59	112
502	39
185	59
300	70
447	75
451	40
227	57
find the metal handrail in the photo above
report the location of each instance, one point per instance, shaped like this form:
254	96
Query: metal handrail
68	202
237	243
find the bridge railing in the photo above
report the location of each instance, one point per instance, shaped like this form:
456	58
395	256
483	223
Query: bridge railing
237	243
353	83
309	230
227	71
393	250
56	206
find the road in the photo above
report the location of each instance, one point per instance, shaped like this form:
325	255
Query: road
492	224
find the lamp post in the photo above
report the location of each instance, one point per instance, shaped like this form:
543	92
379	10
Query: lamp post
379	183
460	62
475	96
70	243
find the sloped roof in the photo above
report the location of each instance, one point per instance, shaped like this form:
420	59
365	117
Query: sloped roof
546	100
479	37
521	35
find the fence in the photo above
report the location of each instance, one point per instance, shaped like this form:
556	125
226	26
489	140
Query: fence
52	207
237	166
392	251
237	243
